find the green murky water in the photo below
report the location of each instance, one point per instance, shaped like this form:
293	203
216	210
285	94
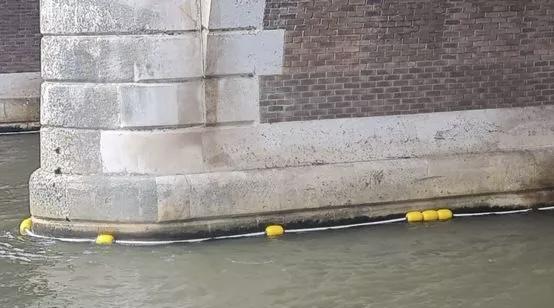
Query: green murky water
472	262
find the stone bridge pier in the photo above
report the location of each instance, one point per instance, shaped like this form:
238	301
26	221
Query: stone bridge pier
151	124
135	96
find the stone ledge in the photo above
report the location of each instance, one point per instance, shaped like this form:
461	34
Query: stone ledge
293	144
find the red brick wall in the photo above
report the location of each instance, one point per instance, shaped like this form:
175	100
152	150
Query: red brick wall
19	36
355	58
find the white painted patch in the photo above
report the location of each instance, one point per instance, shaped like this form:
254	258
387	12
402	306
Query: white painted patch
151	152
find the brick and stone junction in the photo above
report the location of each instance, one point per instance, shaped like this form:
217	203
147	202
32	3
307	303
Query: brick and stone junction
187	118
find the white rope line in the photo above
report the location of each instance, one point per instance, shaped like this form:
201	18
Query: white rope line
61	239
239	235
255	234
167	242
382	222
158	243
492	213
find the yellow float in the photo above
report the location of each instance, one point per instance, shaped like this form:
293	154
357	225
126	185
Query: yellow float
445	214
414	216
104	239
274	230
430	215
25	226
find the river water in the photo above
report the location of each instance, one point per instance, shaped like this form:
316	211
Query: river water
503	262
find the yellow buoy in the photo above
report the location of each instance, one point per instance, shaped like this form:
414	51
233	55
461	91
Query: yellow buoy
430	215
274	230
104	239
444	214
25	226
414	216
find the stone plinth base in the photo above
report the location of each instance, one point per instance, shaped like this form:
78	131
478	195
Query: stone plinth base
318	172
328	216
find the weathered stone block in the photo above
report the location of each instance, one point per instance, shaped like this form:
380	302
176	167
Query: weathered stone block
172	104
480	173
232	99
232	14
80	105
244	52
88	105
121	58
117	16
96	198
173	198
70	151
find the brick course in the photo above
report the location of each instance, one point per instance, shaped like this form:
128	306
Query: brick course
19	36
356	58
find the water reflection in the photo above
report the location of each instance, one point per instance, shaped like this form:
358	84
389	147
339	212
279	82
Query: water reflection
476	262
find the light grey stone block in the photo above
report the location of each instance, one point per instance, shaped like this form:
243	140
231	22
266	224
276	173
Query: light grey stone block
233	14
118	16
121	58
80	105
232	99
173	104
94	198
70	151
244	52
118	105
173	198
